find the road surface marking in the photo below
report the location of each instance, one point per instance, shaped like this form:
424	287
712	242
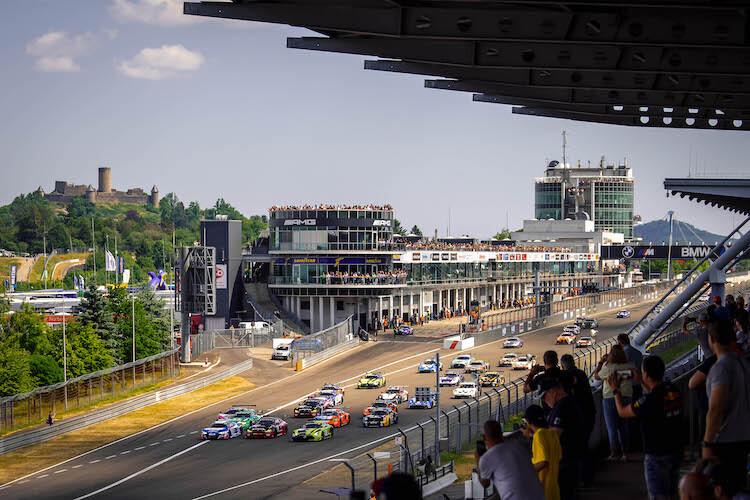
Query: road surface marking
43	475
154	444
77	466
142	471
139	448
59	471
111	456
194	432
182	435
124	452
94	461
24	481
168	439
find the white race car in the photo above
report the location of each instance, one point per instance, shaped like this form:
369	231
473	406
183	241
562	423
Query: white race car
526	362
334	396
462	360
572	329
222	429
467	390
508	359
451	378
623	314
429	366
512	342
395	394
477	366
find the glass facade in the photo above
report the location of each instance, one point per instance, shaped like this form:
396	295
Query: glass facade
329	230
613	207
548	200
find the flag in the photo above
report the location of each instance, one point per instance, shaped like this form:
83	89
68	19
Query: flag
120	265
75	282
126	277
80	282
110	261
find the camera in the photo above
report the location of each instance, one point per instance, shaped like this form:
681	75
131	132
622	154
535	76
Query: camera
624	374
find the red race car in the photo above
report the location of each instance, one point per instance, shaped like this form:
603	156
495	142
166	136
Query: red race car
334	417
267	427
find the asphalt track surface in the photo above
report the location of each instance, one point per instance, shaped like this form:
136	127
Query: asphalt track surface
170	460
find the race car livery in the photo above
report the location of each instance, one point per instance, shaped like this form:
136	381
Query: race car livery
394	394
512	342
508	359
585	342
380	418
246	419
311	407
222	429
332	387
334	417
336	397
588	323
466	390
526	362
235	409
462	360
451	378
267	427
477	366
623	314
379	404
429	366
491	379
313	431
404	330
566	338
371	381
424	397
572	329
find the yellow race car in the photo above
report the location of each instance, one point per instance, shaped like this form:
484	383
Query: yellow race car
566	338
491	379
383	417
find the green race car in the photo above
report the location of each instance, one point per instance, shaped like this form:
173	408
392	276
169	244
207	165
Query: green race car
246	419
371	381
313	431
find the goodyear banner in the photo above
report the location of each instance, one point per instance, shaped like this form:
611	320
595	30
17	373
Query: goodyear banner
335	261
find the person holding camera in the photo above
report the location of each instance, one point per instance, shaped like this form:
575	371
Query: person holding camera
616	362
700	332
546	450
506	465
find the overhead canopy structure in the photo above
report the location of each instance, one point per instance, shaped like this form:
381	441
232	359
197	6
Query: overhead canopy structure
731	194
654	63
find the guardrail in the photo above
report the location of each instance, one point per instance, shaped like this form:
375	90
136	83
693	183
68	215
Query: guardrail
61	427
323	355
310	345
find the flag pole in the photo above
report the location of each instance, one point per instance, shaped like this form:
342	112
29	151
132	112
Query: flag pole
117	263
93	245
106	260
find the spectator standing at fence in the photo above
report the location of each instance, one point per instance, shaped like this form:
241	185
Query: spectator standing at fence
580	389
51	417
507	466
727	435
565	418
546	450
700	332
742	329
659	411
537	372
731	305
617	428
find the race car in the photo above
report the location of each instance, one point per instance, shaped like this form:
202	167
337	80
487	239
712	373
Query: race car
379	404
585	342
311	407
371	381
429	366
313	431
424	397
267	427
451	378
334	417
222	429
467	390
404	330
491	379
332	387
246	419
395	394
572	329
512	342
508	359
462	360
623	314
380	418
234	409
566	338
336	397
589	323
477	366
526	362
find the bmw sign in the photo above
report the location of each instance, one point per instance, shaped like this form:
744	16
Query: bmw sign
628	252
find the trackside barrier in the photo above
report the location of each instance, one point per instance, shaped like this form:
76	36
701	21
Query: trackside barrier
61	427
457	343
323	355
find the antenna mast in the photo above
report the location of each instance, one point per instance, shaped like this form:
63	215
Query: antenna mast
565	145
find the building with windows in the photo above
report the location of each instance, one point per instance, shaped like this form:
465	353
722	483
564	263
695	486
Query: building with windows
602	194
326	264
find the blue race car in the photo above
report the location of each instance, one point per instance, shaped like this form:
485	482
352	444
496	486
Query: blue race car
623	314
404	330
222	429
429	366
422	402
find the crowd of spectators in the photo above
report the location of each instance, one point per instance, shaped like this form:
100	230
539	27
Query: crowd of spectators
426	245
324	206
378	278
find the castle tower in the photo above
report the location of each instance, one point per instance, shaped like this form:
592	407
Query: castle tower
91	192
155	196
105	180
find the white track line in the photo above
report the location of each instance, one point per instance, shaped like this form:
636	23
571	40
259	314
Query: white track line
142	471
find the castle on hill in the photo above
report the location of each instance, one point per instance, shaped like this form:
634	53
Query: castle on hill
64	192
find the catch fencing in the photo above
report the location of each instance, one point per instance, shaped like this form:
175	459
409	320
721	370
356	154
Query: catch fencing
309	345
231	338
33	407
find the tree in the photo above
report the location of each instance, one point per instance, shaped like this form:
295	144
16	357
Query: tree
28	331
416	230
95	311
15	372
252	227
44	370
397	227
86	351
504	234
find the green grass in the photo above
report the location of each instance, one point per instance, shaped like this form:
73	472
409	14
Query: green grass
37	270
678	350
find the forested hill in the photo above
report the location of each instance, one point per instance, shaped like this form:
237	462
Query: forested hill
658	230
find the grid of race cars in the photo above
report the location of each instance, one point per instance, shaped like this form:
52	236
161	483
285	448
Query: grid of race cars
466	374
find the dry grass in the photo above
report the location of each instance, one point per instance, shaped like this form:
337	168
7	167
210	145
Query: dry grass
37	270
5	263
32	458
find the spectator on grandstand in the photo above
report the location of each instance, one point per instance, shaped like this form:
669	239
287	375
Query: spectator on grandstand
731	305
633	354
580	389
396	486
700	332
565	418
617	429
659	411
537	372
742	328
545	449
717	311
727	434
709	480
507	466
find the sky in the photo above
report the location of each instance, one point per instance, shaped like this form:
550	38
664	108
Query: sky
222	109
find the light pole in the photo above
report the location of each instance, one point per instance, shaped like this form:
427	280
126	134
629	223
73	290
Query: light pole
132	298
65	356
437	409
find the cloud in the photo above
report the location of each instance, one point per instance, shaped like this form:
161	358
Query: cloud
56	50
167	61
163	13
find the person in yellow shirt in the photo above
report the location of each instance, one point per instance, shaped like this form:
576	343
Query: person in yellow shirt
546	450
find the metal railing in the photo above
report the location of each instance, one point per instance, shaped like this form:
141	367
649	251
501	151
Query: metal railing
33	407
308	345
230	338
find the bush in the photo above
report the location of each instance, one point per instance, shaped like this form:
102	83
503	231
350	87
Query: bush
44	370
